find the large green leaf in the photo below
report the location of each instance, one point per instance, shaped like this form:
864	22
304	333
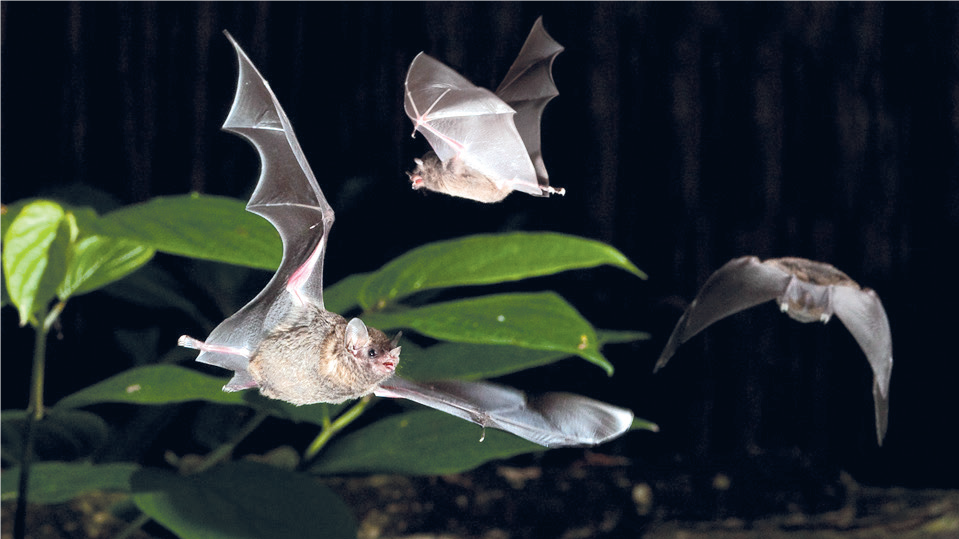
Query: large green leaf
541	321
154	384
58	482
60	434
240	500
486	259
419	443
199	226
96	261
343	295
466	361
28	245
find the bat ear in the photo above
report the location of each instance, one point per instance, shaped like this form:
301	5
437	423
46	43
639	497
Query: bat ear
357	336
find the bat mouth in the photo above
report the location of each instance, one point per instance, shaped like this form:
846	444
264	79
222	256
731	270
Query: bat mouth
389	365
417	181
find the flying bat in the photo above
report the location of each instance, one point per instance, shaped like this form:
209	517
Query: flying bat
286	343
807	291
485	145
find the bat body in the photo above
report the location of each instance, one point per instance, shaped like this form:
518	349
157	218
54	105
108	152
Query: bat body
807	291
485	145
286	343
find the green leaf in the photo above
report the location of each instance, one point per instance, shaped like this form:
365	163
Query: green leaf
643	424
486	259
419	443
61	434
541	321
154	384
96	261
343	295
611	336
199	226
31	279
465	361
58	482
242	500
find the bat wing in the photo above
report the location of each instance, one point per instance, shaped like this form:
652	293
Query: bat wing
463	121
288	196
740	284
528	87
551	419
861	311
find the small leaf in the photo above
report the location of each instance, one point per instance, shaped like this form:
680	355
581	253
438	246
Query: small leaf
199	226
541	321
465	361
486	259
154	384
97	261
240	500
59	482
31	279
419	443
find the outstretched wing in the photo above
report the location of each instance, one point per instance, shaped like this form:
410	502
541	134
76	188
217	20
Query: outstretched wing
288	196
465	122
528	87
551	419
738	285
863	315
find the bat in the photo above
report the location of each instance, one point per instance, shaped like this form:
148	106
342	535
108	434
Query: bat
286	343
807	291
485	145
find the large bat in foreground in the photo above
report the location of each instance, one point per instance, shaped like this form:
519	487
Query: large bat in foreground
485	145
807	291
289	346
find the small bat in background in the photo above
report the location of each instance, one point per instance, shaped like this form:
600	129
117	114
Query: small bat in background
807	291
286	343
485	145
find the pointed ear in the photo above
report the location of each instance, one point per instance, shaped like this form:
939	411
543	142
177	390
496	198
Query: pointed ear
357	335
396	340
418	161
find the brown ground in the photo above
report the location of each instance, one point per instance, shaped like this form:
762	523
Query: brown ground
592	498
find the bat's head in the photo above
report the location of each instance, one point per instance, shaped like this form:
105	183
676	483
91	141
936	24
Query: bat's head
416	178
372	347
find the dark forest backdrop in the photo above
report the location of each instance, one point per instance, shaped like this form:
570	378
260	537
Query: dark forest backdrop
685	135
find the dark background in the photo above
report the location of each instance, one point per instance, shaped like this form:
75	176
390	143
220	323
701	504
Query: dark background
685	135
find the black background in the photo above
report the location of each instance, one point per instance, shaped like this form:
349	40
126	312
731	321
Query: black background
685	135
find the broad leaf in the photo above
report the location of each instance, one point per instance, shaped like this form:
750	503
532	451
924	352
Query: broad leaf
60	434
58	482
96	261
31	278
199	226
541	321
240	500
343	295
465	361
154	384
419	443
486	259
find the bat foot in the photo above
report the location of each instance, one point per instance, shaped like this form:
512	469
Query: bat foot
554	191
189	342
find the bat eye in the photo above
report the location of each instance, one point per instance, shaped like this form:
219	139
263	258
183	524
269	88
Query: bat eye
372	353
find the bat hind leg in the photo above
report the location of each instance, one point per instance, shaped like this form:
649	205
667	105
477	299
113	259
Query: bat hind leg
189	342
554	190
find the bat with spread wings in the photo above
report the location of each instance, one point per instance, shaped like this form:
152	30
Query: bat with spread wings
807	291
485	145
286	343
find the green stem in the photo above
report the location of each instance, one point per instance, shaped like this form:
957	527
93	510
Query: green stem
222	452
330	429
211	458
35	412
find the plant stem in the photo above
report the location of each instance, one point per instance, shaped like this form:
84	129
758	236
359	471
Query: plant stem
329	429
225	450
34	415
